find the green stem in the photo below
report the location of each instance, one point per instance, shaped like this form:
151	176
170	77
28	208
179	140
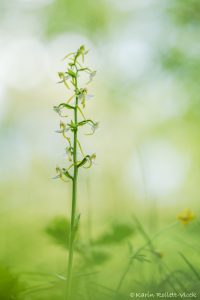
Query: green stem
73	209
123	278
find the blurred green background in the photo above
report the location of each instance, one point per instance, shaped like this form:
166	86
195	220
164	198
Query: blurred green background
146	53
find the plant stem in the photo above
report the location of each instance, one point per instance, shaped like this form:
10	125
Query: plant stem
73	208
70	79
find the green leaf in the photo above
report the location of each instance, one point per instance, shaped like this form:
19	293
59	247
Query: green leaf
99	257
58	229
71	73
93	256
117	234
10	285
66	106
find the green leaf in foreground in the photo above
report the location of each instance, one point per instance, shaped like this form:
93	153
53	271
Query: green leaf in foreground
118	233
58	230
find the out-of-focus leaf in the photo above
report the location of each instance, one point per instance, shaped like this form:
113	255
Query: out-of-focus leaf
71	73
185	13
117	234
58	229
93	256
10	286
174	59
91	16
99	257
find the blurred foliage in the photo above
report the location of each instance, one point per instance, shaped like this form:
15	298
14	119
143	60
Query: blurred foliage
185	12
174	60
91	255
180	60
183	66
85	16
116	234
2	7
10	285
58	229
181	51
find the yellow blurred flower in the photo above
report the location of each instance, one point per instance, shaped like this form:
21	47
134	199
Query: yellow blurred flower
186	216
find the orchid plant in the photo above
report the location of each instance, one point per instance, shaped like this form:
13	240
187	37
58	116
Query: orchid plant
72	118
